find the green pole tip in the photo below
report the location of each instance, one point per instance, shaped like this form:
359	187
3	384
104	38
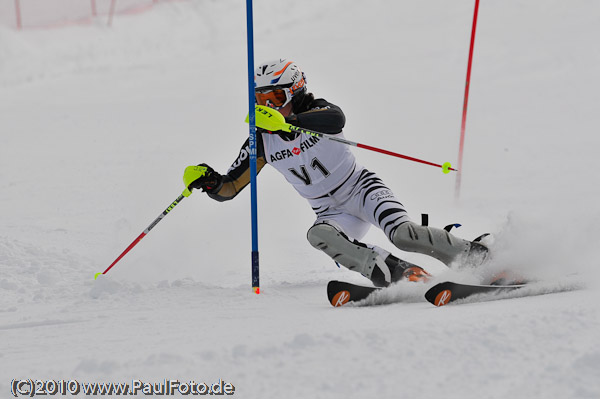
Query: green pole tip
446	167
96	275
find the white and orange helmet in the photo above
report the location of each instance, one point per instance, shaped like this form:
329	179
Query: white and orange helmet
278	82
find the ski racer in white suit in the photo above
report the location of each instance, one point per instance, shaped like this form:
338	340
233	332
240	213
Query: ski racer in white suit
346	197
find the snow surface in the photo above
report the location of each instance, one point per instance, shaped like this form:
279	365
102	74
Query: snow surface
97	125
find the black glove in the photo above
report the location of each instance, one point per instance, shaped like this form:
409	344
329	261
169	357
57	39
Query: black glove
210	182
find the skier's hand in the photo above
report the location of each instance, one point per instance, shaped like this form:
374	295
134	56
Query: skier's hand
202	177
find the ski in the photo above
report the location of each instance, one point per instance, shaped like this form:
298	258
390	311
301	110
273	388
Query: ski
340	292
444	293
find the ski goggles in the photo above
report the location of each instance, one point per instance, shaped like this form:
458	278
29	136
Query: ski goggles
272	97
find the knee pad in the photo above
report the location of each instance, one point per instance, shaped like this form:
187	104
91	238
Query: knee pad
432	241
354	255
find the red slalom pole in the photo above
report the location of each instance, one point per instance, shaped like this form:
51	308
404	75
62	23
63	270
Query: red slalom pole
465	104
18	14
111	12
94	12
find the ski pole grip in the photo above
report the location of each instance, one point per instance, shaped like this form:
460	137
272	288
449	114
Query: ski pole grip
269	119
191	174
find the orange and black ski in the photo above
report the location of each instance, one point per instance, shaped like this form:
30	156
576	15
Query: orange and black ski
444	293
340	292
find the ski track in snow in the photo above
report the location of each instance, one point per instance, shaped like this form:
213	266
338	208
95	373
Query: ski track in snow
98	124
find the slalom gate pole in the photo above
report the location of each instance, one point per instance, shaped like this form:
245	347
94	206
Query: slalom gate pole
465	104
94	11
139	238
18	14
252	143
111	12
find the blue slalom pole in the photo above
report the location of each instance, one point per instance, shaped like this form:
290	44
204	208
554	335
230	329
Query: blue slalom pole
252	140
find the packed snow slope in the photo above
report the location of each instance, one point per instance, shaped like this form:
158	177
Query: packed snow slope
98	124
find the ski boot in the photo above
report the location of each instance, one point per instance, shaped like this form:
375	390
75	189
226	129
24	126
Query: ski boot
403	270
416	274
477	254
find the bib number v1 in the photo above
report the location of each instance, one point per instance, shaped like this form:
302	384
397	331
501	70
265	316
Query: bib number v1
303	175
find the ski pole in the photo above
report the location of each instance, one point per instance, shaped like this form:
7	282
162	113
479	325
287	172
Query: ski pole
270	119
191	173
144	233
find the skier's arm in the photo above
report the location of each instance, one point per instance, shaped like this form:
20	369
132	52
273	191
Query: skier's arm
323	117
232	186
238	175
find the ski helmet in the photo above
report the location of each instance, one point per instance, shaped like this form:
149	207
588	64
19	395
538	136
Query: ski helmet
278	82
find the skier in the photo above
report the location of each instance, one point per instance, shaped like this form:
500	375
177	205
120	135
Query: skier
346	197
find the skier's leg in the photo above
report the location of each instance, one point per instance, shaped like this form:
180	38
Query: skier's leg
350	253
438	243
341	222
378	204
373	262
